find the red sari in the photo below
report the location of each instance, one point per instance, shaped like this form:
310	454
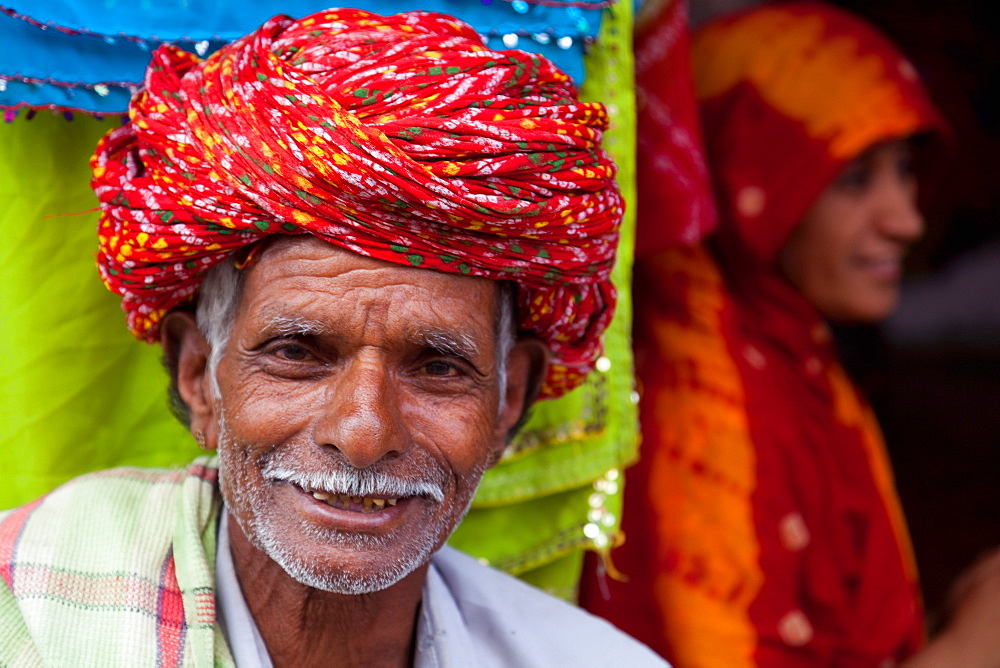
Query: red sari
762	525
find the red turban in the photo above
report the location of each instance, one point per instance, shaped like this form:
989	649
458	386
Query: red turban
401	138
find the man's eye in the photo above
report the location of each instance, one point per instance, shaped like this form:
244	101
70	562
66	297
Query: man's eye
438	368
290	352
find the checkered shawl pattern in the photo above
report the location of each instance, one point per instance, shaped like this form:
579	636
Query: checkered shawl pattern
401	138
113	569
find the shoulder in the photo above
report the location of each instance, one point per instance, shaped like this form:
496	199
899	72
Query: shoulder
88	571
128	508
525	626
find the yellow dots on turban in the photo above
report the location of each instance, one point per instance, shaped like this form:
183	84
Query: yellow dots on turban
301	217
207	140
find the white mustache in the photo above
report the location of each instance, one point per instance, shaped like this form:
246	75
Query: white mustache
355	482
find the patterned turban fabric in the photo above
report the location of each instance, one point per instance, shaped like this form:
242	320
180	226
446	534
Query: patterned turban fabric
401	138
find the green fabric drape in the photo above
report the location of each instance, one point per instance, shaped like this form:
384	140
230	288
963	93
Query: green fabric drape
77	393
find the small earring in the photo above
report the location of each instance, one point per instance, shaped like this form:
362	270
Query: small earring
199	436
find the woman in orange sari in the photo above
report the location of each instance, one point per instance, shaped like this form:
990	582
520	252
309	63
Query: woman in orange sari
762	524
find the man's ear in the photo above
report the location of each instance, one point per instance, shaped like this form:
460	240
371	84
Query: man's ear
527	363
186	352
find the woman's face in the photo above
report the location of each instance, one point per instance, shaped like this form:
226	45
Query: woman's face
846	255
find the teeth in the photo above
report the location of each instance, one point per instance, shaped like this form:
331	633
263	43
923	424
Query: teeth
368	504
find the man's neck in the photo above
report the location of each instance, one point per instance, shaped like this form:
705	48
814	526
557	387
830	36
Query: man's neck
303	626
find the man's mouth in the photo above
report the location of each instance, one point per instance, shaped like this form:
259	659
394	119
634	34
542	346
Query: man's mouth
362	504
360	491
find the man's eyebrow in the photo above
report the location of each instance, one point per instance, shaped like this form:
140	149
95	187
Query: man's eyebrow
294	326
456	344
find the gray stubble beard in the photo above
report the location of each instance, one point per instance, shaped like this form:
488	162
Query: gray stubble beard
261	530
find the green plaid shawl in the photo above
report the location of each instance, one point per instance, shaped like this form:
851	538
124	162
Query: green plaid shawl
114	568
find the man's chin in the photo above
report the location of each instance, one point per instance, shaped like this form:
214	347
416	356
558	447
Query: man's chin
344	581
352	565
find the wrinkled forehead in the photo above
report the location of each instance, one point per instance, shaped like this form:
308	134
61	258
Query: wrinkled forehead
305	283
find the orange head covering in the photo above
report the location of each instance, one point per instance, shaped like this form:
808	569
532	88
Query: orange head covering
790	93
401	138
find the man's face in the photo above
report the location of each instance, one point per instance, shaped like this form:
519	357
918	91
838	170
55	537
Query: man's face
358	407
846	255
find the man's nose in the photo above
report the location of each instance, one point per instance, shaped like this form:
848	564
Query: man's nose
899	217
362	417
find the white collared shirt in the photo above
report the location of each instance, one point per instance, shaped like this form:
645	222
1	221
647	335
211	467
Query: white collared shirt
470	615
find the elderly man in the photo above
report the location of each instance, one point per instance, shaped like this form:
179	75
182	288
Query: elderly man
366	245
